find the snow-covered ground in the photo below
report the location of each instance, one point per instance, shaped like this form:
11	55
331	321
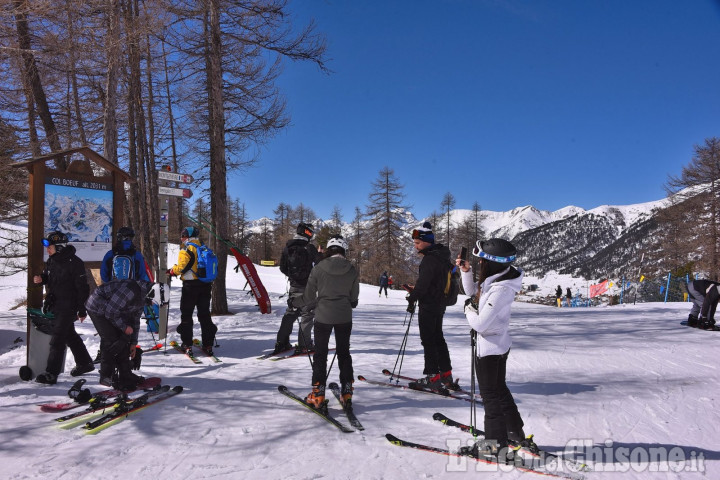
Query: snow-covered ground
628	380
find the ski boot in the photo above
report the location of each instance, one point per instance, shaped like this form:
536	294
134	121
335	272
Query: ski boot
706	323
346	393
316	398
431	381
187	348
47	378
82	369
692	321
488	450
446	378
281	347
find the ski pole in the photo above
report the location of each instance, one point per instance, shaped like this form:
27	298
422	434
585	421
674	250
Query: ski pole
473	411
331	365
403	345
305	342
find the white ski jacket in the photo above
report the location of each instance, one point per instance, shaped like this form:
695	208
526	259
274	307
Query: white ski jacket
492	319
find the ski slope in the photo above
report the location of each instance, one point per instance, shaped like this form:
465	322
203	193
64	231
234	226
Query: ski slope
627	380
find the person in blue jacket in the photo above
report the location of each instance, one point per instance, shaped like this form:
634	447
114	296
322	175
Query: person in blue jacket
124	261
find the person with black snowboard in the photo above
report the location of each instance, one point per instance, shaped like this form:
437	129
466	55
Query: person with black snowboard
704	295
67	289
429	294
297	261
115	309
333	284
488	313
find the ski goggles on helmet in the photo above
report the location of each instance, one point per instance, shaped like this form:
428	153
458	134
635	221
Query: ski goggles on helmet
478	252
46	243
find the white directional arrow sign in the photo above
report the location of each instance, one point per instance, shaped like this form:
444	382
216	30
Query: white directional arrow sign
175	192
174	177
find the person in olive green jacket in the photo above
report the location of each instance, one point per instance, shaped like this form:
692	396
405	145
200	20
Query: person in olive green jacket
334	283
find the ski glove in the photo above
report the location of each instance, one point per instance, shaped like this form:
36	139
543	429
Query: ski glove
411	305
470	307
137	359
170	272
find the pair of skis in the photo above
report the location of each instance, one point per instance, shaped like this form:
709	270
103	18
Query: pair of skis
191	355
457	394
545	469
100	396
277	356
323	413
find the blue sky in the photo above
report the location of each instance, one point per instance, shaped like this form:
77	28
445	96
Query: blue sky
508	103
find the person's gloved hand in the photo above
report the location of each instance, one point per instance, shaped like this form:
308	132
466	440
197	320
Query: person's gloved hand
411	305
137	358
290	303
470	306
170	272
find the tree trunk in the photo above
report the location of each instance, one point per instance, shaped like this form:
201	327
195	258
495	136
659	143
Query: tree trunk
32	76
218	168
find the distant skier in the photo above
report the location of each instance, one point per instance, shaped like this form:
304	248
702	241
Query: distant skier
705	296
568	297
383	284
558	296
488	313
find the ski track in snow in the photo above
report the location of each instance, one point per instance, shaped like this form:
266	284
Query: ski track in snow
629	374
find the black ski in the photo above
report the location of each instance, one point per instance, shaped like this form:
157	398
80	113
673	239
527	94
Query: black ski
326	416
348	409
303	353
273	353
456	387
531	449
444	451
126	408
442	393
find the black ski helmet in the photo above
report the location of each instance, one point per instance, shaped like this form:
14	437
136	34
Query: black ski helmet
55	238
125	233
305	230
495	250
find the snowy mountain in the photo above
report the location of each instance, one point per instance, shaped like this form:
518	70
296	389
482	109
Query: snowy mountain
571	240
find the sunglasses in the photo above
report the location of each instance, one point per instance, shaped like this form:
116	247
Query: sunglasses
477	251
416	234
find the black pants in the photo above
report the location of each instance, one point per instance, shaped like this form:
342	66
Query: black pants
342	349
196	295
437	356
381	289
64	335
501	413
109	335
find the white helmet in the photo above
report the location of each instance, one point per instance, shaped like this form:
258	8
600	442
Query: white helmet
337	241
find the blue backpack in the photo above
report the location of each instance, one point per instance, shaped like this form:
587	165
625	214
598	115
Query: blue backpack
123	267
207	261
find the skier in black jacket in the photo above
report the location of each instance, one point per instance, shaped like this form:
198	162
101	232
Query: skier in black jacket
429	294
705	296
297	260
67	290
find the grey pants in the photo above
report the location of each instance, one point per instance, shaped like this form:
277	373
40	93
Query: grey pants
697	300
306	315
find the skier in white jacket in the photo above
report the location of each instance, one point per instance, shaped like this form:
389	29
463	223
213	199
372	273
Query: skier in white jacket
488	313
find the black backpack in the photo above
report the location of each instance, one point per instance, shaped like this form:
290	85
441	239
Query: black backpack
299	263
452	285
